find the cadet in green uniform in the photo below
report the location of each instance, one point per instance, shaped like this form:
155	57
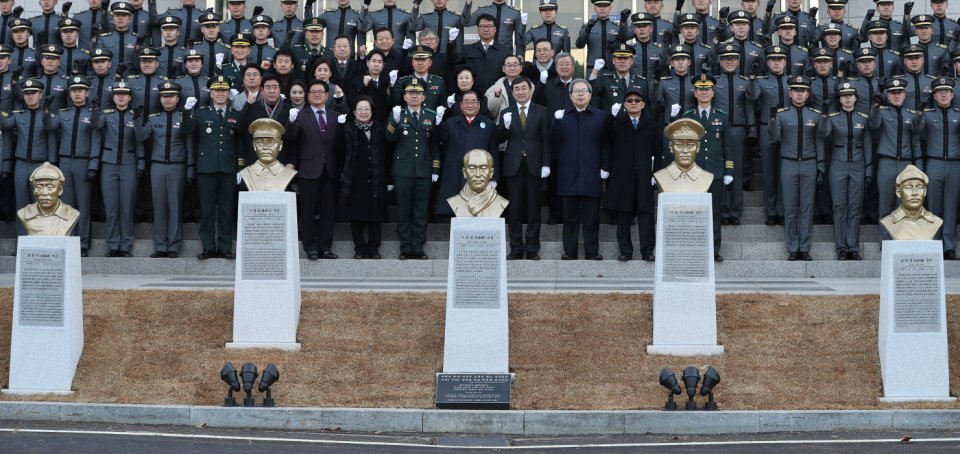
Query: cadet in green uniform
218	161
716	148
416	162
435	90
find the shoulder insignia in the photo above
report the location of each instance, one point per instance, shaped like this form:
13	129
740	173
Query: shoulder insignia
778	12
894	52
803	48
537	26
205	108
155	115
910	111
884	108
847	51
718	110
108	111
456	13
80	12
707	46
729	41
834	114
763	77
784	109
853	26
853	78
401	9
106	34
429	111
34	17
562	26
666	78
656	44
689	111
173	7
65	109
4	114
513	8
929	109
815	110
942	46
862	114
328	10
955	109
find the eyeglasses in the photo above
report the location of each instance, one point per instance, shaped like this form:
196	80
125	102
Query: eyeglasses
251	75
317	92
544	50
486	26
564	65
362	109
469	102
632	100
581	91
511	65
428	40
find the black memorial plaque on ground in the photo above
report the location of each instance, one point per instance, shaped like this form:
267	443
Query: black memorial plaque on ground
474	391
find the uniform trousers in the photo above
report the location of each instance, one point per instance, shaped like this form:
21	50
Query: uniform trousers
217	208
716	195
318	196
824	200
413	204
732	194
576	210
799	181
166	186
119	186
76	193
943	194
647	229
846	187
523	192
887	172
22	187
772	189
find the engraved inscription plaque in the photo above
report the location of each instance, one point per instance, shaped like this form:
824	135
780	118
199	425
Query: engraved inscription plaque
687	230
42	286
476	278
474	391
916	294
264	242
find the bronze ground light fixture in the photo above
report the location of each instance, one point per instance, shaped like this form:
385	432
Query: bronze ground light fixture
690	379
247	376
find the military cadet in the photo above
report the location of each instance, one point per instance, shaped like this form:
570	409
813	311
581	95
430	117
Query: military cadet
144	85
716	153
821	95
101	80
344	21
674	92
898	145
411	128
261	50
312	47
122	42
850	34
171	53
598	34
662	28
753	30
831	40
649	53
218	160
610	88
73	57
750	51
448	24
44	26
953	71
237	23
189	22
73	127
194	84
96	17
433	89
941	126
143	21
6	90
239	53
703	58
550	29
944	29
802	166
34	146
23	56
173	163
709	26
805	22
733	95
795	53
7	16
397	20
214	52
846	133
918	90
867	78
511	23
893	27
888	61
771	92
55	86
119	163
934	54
289	23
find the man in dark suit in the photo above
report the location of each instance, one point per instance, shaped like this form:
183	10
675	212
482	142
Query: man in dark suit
555	95
373	84
392	55
543	61
525	127
485	56
317	160
266	104
344	67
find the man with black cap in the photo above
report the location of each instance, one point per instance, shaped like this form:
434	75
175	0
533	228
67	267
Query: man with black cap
345	21
511	23
805	22
313	44
837	9
708	26
213	51
822	96
173	162
752	29
867	84
918	90
189	23
750	52
448	24
674	93
6	89
598	34
610	88
119	164
894	27
898	145
95	17
549	29
74	129
237	23
794	52
716	153
75	59
146	92
239	58
55	86
261	50
832	34
101	79
7	16
802	165
703	57
932	53
846	134
888	61
219	158
122	42
733	96
771	92
44	25
944	29
434	88
171	53
22	56
649	53
283	26
940	124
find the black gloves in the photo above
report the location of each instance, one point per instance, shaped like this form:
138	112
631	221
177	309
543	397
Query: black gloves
819	178
870	13
17	12
867	182
770	5
723	13
773	111
257	10
47	102
624	15
922	106
78	65
289	38
91	175
140	173
591	23
65	9
877	99
95	103
680	5
137	111
754	69
845	67
813	13
16	73
140	40
907	8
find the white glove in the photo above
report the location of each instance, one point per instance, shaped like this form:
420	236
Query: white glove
558	114
454	33
283	97
614	109
293	114
434	178
727	179
191	101
543	77
233	93
675	110
653	181
393	77
389	187
451	99
239	178
523	18
598	64
396	114
407	43
342	119
219	59
604	174
544	172
507	118
440	111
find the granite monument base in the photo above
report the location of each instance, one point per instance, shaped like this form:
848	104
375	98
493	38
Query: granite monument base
913	323
47	331
266	302
684	290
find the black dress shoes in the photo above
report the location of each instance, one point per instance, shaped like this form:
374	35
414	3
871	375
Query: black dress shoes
805	256
313	255
226	255
854	255
83	252
781	220
717	257
826	219
596	257
125	254
404	255
329	255
172	254
842	255
625	257
358	256
567	257
771	220
734	221
207	253
158	254
515	256
533	256
950	255
112	253
421	256
724	221
792	257
376	255
648	257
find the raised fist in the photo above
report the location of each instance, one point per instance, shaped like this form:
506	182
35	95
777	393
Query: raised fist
558	115
91	175
907	8
17	12
17	72
407	43
870	13
396	114
754	69
393	77
65	9
813	13
137	111
47	102
257	10
140	40
723	13
877	99
453	33
773	111
95	103
624	14
680	5
507	119
523	18
770	5
591	23
191	101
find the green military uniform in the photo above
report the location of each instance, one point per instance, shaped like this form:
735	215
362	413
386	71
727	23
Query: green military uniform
218	160
434	87
303	52
230	70
416	160
609	88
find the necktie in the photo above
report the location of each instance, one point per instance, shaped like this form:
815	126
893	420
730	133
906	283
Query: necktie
343	66
485	47
416	118
323	124
634	124
703	117
623	82
376	83
523	117
220	112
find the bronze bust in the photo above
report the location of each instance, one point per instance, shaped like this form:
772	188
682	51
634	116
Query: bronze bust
267	174
683	174
910	221
49	216
478	199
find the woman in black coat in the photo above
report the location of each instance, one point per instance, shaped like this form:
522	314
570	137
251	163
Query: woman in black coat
465	76
635	157
366	170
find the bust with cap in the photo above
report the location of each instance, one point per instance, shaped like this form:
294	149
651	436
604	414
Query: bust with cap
267	174
683	174
49	216
911	221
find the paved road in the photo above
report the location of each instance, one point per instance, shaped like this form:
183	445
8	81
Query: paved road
32	437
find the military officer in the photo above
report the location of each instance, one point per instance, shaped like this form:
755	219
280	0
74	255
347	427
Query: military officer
549	29
888	61
802	166
934	54
805	21
918	90
898	146
750	52
703	58
171	53
837	9
344	21
649	53
434	88
217	129
194	84
716	153
289	23
261	50
122	42
236	23
398	20
733	95
444	22
511	23
173	163
89	20
313	31
599	34
214	52
55	86
610	88
894	27
188	15
74	57
22	56
771	90
846	133
412	129
941	126
44	26
239	53
795	53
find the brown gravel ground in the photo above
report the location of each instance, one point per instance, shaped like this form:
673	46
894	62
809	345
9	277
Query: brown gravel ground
569	351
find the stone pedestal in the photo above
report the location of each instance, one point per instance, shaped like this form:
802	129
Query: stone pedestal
913	322
266	302
47	331
684	291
